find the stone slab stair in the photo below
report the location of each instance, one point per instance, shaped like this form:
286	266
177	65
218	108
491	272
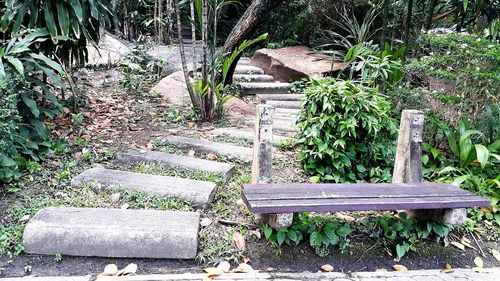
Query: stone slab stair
173	160
199	193
246	134
113	233
234	152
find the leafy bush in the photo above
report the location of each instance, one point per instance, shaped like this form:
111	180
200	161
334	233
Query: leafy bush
401	234
346	132
24	136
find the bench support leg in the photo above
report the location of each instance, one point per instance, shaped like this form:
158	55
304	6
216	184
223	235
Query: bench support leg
262	164
279	220
408	166
445	216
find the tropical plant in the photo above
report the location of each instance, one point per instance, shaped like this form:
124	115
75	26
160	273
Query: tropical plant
22	85
366	61
72	24
346	132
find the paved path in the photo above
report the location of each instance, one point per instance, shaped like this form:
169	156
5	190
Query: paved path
490	274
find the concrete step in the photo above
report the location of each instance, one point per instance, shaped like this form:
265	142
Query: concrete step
248	69
284	104
230	151
119	233
245	134
284	125
199	193
285	97
244	61
173	160
253	78
264	88
289	111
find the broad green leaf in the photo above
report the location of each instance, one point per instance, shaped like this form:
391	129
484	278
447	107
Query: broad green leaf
49	18
52	64
280	236
63	17
31	104
400	250
483	155
77	8
17	64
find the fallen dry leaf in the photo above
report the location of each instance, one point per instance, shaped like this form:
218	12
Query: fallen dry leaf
478	262
496	254
205	222
326	267
400	268
130	269
239	241
244	268
110	270
458	245
380	270
213	271
257	234
212	157
224	266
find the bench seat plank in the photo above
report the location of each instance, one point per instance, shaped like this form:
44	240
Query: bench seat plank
289	198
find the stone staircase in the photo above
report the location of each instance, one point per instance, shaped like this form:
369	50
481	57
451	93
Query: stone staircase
136	233
253	81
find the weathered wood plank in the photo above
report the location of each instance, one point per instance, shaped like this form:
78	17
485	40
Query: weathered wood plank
312	191
363	204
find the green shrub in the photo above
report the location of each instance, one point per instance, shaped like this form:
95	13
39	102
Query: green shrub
346	132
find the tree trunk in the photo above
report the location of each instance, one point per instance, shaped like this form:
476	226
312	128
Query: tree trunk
207	101
192	95
385	15
257	11
407	28
430	14
193	34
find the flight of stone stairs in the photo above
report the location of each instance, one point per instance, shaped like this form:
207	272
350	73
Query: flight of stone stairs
253	81
136	233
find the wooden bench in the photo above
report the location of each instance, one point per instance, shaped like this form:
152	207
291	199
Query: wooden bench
292	198
278	202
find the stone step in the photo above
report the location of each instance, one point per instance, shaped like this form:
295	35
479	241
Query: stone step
284	125
244	61
230	151
248	69
117	233
264	88
284	104
253	78
173	160
292	111
284	97
245	134
199	193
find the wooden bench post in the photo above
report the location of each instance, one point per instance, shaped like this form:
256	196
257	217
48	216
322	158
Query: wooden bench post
262	164
408	165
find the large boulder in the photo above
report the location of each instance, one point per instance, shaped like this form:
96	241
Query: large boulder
294	63
173	88
109	51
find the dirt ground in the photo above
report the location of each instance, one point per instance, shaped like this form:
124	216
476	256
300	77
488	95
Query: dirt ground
114	120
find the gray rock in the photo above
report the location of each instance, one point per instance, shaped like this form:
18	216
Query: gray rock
174	160
113	233
110	50
293	111
244	61
284	104
253	78
264	88
248	69
245	134
204	147
284	97
200	193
